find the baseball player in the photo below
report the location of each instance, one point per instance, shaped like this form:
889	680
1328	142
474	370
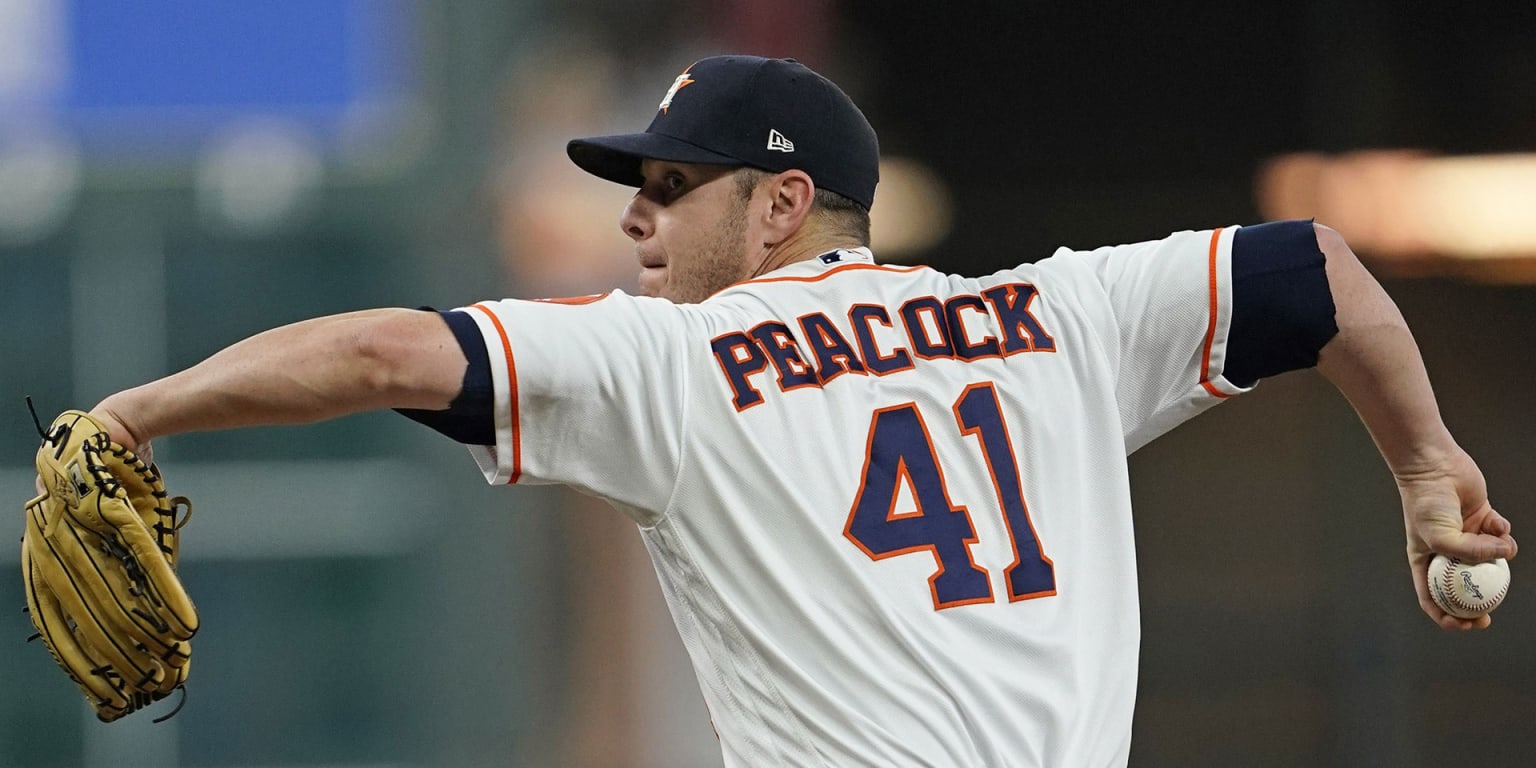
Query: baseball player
888	506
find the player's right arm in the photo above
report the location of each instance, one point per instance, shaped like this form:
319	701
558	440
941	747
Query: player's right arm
1283	296
1375	363
309	371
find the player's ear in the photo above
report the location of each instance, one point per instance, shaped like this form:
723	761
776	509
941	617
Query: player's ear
790	195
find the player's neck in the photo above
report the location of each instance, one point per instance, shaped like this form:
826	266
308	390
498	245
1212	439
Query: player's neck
800	246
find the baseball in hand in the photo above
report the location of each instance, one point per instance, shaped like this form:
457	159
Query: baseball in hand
1465	590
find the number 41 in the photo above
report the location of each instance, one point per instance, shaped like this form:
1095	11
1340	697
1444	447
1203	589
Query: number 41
900	451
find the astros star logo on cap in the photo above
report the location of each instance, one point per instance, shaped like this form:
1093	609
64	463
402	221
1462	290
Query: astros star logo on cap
677	85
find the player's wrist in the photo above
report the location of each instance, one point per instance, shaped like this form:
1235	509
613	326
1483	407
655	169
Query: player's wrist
117	415
1431	456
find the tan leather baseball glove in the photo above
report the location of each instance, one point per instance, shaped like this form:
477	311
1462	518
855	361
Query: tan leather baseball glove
99	563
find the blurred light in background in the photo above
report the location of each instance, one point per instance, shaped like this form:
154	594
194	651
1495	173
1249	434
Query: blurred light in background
32	50
39	168
380	139
39	182
1474	215
256	174
912	210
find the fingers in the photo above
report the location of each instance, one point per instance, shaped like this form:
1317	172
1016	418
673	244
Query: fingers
1453	624
1499	526
1487	520
1473	547
1496	524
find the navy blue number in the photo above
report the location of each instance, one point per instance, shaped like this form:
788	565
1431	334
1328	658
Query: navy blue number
900	454
1031	574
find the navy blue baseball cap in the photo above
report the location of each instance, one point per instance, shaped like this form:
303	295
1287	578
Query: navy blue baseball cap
773	114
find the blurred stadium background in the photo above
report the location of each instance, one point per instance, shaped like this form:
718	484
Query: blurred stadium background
178	174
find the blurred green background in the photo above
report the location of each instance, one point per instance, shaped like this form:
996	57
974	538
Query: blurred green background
176	175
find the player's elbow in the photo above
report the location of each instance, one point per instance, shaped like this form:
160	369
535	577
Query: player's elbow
1348	279
1331	243
406	358
1363	310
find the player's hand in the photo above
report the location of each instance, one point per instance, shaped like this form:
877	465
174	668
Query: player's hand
1446	511
120	432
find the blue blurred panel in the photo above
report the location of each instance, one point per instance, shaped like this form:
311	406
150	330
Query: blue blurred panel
211	53
161	73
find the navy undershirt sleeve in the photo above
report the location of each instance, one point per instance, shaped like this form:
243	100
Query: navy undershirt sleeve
1282	308
469	419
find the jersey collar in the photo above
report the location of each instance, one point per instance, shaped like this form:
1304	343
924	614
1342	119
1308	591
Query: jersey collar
825	262
859	255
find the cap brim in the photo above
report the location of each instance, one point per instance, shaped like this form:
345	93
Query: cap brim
617	158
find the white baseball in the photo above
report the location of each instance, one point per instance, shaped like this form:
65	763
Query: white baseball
1465	590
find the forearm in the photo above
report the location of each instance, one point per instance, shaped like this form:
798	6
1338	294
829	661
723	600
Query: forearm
1376	364
309	371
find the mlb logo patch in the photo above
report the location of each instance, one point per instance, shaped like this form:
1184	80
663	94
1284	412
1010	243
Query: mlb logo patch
831	258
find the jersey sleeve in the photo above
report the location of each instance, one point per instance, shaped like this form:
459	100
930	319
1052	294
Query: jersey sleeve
1171	307
588	393
1283	311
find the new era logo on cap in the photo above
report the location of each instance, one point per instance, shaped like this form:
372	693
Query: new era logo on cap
776	141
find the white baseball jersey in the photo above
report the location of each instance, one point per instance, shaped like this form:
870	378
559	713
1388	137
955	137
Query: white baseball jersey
889	507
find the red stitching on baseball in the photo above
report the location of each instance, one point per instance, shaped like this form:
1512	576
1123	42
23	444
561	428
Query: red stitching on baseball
1448	584
1446	591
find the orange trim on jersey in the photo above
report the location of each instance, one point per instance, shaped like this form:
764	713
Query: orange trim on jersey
506	349
1210	328
829	273
576	300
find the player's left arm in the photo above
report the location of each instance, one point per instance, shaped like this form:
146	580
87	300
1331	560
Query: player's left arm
1374	361
305	372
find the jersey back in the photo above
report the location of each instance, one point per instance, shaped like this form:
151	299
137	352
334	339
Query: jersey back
889	507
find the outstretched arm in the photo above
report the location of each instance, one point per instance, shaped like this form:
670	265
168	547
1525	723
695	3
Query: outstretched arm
1376	364
308	371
